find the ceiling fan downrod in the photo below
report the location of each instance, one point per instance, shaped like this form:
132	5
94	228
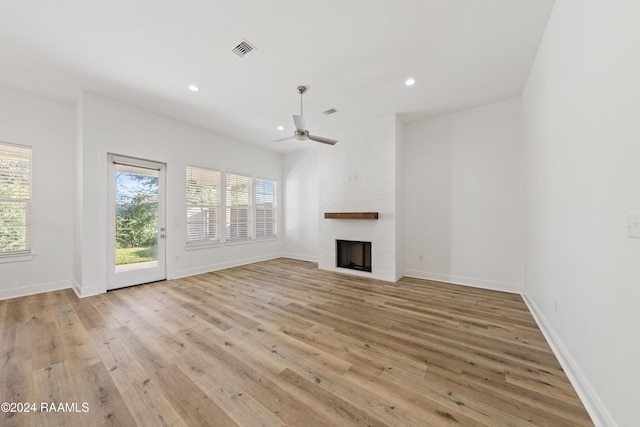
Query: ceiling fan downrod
301	90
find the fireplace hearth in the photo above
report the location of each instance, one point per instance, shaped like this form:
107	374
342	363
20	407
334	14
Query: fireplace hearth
353	255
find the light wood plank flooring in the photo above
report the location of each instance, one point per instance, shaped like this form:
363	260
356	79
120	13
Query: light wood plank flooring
282	343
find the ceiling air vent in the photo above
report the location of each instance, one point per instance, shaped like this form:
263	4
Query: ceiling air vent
329	111
243	48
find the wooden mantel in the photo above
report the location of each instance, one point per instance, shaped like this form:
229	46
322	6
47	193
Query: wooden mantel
351	215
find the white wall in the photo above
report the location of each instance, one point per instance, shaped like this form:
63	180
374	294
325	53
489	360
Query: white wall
69	226
358	174
108	126
582	177
48	127
399	198
463	197
301	210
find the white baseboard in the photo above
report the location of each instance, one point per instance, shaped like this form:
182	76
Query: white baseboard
86	291
178	274
590	399
301	257
383	274
35	289
466	281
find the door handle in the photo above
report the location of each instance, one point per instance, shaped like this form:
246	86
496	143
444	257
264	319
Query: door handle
162	236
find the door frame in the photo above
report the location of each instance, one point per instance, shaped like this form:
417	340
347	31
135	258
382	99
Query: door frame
116	280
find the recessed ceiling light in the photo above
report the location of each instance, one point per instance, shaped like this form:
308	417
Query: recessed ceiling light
193	88
410	81
280	127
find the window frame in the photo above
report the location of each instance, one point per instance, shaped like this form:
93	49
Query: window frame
248	209
18	153
273	209
216	206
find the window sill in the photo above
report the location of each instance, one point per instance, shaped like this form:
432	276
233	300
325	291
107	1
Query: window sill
204	245
238	242
19	257
266	239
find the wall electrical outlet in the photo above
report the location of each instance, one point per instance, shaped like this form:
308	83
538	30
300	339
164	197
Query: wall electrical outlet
633	225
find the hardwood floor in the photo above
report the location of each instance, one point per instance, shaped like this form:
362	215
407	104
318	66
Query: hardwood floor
281	343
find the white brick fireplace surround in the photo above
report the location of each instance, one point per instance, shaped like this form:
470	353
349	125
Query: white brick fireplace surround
358	174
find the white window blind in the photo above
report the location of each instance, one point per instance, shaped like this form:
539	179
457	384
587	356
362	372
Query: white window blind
15	199
203	204
266	218
238	198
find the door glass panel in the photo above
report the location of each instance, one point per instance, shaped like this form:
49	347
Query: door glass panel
136	218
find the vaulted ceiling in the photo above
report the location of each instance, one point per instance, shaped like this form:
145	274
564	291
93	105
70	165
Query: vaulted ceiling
354	55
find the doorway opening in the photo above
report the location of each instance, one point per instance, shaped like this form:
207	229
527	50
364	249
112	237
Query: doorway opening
137	249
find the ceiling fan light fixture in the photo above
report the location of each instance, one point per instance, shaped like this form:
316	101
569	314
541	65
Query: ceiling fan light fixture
301	133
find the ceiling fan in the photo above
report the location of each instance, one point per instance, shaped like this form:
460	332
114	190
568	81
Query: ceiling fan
301	133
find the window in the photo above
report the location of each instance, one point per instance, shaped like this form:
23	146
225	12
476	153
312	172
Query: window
203	204
266	218
15	199
238	207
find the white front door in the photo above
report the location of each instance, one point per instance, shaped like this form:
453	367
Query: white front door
136	222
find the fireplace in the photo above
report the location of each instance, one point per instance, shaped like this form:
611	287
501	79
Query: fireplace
353	255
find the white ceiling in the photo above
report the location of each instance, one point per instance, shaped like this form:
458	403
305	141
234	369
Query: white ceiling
354	55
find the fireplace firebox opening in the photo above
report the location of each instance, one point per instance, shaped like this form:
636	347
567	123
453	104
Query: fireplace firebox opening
353	255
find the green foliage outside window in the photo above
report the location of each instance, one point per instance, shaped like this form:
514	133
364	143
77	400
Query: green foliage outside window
15	194
136	218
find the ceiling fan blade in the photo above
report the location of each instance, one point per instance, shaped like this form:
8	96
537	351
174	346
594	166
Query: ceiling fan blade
283	139
323	140
300	122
